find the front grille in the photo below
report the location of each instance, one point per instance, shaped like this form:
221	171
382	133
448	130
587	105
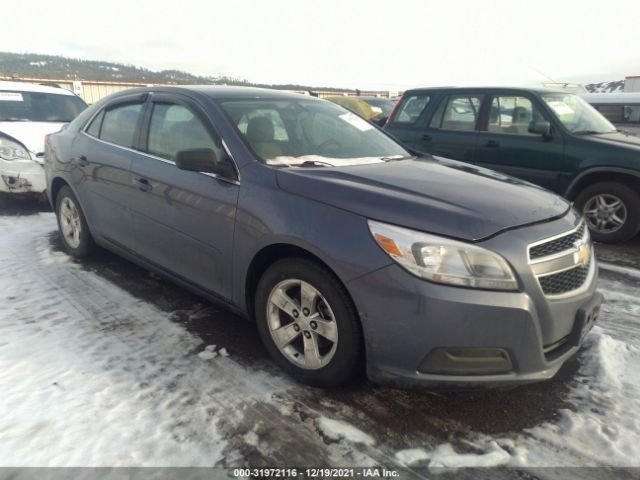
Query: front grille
563	282
558	245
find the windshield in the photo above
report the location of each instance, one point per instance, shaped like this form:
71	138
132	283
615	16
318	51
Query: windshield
39	107
305	132
577	115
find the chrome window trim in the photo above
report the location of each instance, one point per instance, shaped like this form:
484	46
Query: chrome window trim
164	160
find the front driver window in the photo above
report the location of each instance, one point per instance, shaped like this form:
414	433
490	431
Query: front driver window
174	127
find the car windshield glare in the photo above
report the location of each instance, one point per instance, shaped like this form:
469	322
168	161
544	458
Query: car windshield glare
309	133
577	115
39	107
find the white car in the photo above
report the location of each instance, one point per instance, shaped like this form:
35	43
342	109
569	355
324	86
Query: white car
28	112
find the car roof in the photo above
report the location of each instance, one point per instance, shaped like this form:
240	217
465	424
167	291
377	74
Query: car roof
33	87
485	88
217	92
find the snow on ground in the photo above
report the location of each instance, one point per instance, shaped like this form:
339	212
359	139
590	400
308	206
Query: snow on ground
91	375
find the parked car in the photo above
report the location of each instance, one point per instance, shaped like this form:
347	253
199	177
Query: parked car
369	108
551	138
622	109
27	113
344	248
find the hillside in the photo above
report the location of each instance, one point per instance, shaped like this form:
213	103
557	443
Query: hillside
32	65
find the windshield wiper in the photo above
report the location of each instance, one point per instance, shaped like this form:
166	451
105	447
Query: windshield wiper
314	163
590	132
14	119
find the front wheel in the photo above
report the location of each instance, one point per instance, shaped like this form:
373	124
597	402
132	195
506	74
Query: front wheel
308	323
612	211
72	224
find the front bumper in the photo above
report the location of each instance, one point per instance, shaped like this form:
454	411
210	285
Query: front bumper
419	333
22	176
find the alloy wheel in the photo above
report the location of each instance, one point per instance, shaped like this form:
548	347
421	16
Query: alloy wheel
605	213
302	324
70	223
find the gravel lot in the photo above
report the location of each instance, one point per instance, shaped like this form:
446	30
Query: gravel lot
105	364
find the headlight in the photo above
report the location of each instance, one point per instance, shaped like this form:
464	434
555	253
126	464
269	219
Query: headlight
442	260
10	150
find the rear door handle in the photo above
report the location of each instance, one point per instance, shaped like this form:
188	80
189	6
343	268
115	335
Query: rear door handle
143	184
492	144
426	137
82	161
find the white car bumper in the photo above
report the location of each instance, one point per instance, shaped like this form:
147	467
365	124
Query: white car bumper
22	176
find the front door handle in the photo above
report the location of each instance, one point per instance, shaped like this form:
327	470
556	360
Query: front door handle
143	184
426	137
82	161
492	144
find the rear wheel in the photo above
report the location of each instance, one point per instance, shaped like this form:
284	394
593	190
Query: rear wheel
72	224
612	211
308	323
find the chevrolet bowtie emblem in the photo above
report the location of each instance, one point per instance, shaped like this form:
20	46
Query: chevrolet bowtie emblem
583	255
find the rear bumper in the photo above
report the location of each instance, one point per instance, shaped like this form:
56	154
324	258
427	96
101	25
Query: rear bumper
420	334
22	176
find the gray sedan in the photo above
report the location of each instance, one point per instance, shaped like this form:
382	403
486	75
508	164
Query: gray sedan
348	251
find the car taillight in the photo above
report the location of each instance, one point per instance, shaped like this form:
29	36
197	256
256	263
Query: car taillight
395	109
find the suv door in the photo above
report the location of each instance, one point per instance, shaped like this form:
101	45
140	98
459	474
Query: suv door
407	122
451	130
505	144
101	158
184	221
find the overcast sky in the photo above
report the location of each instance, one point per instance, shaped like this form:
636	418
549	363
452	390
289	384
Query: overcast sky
390	45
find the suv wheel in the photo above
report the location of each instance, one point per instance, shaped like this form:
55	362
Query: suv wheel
612	211
74	231
308	323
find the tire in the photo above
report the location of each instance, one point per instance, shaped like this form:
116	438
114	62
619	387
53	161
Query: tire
332	363
72	224
628	212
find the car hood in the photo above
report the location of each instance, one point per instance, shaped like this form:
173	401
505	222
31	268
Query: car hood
30	134
433	195
622	139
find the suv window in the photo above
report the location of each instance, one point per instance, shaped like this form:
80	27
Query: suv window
457	112
119	124
175	127
512	114
39	107
411	109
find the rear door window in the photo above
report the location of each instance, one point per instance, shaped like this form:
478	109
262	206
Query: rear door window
119	124
458	112
411	109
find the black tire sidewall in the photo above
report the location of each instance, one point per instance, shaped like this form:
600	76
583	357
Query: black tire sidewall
346	363
631	200
86	242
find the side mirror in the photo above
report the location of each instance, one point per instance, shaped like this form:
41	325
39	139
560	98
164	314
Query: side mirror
203	160
541	127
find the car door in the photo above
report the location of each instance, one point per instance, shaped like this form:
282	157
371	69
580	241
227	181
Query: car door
184	221
407	122
506	145
451	130
101	158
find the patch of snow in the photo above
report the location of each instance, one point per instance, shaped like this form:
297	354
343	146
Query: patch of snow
411	456
444	456
207	355
251	438
210	348
223	352
338	430
604	428
628	271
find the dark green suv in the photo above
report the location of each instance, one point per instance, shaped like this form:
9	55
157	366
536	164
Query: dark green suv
551	138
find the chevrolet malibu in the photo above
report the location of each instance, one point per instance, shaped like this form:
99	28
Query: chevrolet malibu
348	252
